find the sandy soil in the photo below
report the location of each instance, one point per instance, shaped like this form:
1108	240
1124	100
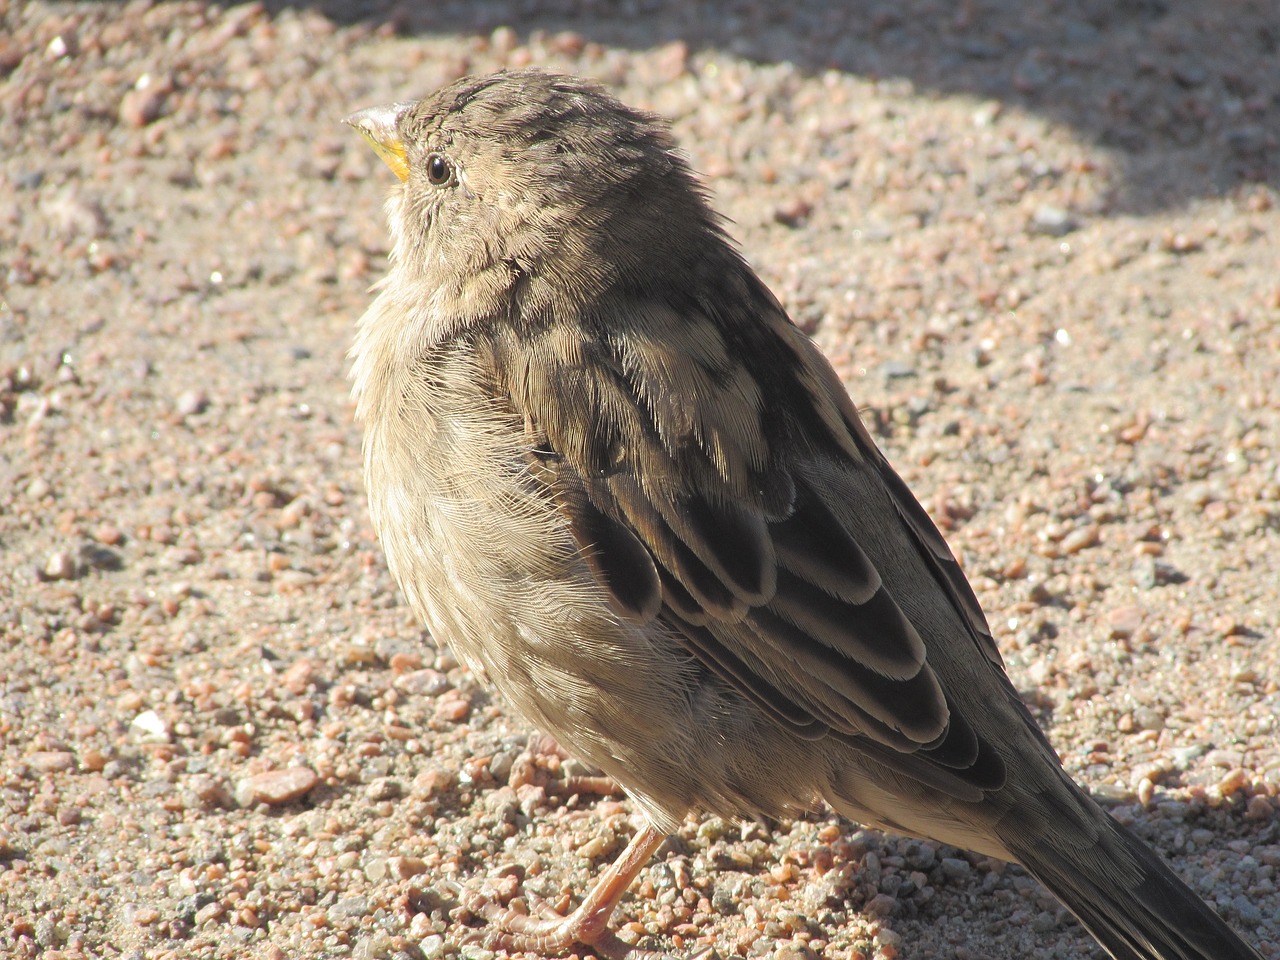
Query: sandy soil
1043	249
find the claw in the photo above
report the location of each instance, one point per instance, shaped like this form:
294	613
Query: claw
551	934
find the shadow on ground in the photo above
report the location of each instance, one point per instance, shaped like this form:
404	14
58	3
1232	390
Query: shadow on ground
1186	95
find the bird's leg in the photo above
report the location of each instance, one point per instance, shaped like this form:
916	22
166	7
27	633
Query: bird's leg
588	925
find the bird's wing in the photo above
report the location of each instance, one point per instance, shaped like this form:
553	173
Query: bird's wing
748	510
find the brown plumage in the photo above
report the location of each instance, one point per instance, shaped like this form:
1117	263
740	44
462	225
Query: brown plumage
610	473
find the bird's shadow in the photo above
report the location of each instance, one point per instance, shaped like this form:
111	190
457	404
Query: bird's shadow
1185	96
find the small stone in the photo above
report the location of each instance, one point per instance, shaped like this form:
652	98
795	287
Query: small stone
351	907
1146	791
897	370
881	905
39	488
385	788
191	402
1052	221
58	48
52	761
955	868
402	663
298	678
402	868
503	40
432	782
794	213
209	912
46	932
1080	538
1146	718
145	103
888	938
276	787
531	798
1258	809
422	683
1123	622
1234	780
1226	625
453	709
211	791
149	727
1043	922
74	215
1245	909
109	535
596	847
795	951
61	565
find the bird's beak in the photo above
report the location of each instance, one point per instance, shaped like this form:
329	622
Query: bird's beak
378	126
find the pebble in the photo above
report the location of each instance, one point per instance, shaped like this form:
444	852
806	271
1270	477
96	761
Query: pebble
351	907
61	565
397	868
795	951
191	402
881	905
276	787
1259	809
1245	909
76	215
1052	221
897	370
385	788
1081	538
145	103
208	913
1147	718
453	709
52	761
955	868
108	534
1043	922
149	727
298	678
1123	622
422	683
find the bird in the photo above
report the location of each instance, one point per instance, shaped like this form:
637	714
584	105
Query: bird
609	472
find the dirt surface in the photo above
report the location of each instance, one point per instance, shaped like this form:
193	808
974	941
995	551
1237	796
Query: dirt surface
1042	248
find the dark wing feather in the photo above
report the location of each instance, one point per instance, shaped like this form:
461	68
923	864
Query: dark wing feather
616	556
666	469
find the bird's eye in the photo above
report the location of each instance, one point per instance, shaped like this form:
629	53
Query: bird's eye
438	169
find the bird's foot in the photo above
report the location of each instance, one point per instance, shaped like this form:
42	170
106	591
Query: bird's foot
550	934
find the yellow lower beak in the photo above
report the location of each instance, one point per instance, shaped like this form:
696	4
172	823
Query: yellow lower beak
378	126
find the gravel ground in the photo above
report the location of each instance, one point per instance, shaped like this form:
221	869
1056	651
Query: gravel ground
1043	249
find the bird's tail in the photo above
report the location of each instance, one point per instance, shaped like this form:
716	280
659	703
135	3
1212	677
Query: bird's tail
1121	891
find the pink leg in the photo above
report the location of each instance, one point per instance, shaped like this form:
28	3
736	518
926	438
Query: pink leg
588	925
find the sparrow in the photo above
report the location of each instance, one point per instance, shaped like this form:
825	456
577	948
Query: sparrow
609	472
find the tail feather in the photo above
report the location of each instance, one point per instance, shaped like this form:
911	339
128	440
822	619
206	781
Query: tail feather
1126	896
